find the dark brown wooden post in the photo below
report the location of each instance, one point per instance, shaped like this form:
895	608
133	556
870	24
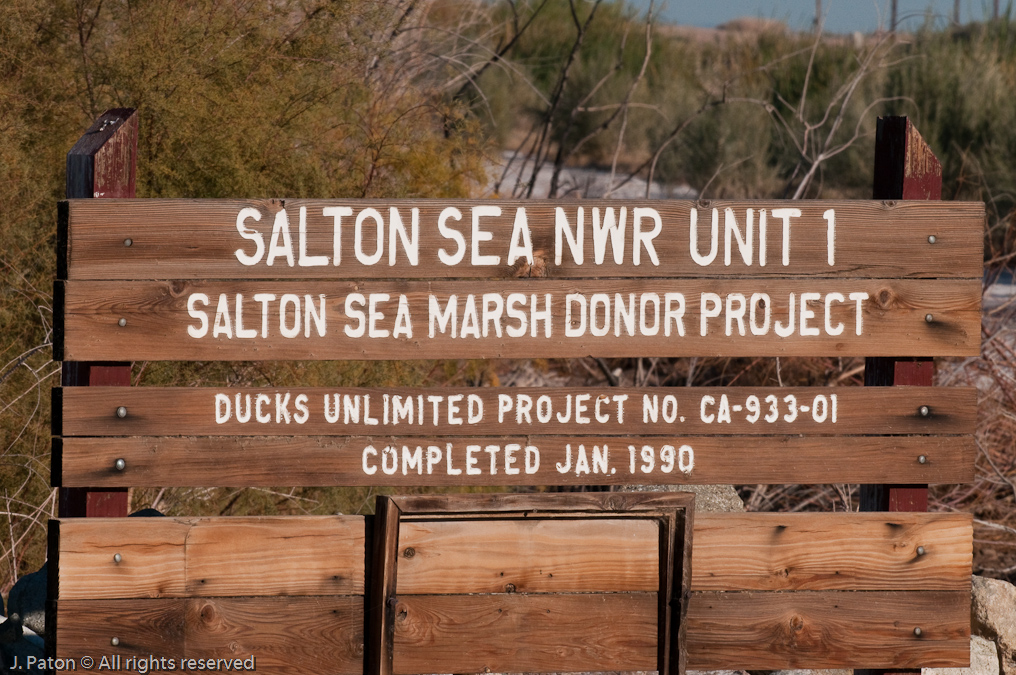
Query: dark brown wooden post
905	168
102	164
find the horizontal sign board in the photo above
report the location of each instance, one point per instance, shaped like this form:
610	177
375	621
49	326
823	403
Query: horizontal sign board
318	320
395	460
848	577
404	411
828	630
293	556
351	239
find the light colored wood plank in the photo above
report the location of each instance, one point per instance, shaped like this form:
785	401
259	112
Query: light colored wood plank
156	319
151	561
731	552
826	551
329	461
628	411
285	635
243	556
276	556
828	629
529	556
525	633
198	238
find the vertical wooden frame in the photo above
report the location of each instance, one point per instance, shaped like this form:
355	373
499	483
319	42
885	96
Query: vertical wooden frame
381	567
101	165
673	512
905	168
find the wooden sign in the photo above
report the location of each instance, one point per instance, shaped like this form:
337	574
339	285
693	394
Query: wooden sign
231	461
495	411
493	239
524	436
523	582
302	279
313	320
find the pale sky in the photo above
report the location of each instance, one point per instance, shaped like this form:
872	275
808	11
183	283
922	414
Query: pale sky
842	16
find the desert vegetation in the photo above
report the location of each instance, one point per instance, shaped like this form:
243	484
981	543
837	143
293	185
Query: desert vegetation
457	98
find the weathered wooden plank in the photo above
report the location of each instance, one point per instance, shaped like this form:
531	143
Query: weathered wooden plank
629	411
276	556
285	635
331	461
529	556
428	506
201	238
828	629
822	551
208	557
118	558
525	633
180	320
725	630
142	628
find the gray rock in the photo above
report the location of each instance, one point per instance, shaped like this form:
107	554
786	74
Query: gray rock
993	617
28	600
708	498
983	660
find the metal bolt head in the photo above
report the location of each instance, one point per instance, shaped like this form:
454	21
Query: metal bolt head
117	557
920	550
121	412
115	641
922	460
120	464
409	552
924	411
128	241
932	239
123	322
918	631
929	318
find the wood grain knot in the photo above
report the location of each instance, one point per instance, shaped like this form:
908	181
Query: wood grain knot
523	270
885	298
208	614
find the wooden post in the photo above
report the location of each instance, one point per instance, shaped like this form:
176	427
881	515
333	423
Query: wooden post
102	164
905	168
